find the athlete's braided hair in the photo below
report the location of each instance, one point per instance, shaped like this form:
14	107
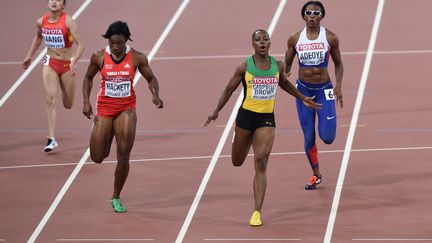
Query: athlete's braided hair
317	3
118	28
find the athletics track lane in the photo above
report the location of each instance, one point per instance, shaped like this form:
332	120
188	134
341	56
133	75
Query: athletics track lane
34	188
386	192
26	192
289	212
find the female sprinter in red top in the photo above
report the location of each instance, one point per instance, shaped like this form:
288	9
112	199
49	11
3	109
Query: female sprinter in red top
115	107
58	30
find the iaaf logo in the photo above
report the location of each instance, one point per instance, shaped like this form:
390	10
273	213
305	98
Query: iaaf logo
52	31
264	80
311	46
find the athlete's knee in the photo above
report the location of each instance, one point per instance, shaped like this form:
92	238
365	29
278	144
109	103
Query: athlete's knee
123	154
327	132
124	148
49	100
261	163
97	158
309	144
328	138
237	162
123	157
309	138
67	106
68	102
238	158
328	141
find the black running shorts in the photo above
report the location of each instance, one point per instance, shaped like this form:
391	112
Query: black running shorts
250	120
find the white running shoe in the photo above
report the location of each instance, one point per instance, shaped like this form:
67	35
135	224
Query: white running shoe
51	144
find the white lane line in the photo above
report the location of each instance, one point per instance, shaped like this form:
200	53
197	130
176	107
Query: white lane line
58	198
84	158
354	120
163	36
221	143
36	60
254	239
189	158
103	240
168	58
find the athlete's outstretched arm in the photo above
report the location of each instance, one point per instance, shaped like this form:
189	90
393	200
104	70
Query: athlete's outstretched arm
93	68
229	89
37	41
146	71
290	54
73	28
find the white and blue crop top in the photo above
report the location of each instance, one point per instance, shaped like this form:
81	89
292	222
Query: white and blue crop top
313	53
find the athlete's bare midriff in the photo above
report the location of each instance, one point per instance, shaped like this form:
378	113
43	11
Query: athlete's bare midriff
60	53
314	75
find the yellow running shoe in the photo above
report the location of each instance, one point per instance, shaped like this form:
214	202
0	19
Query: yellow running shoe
255	219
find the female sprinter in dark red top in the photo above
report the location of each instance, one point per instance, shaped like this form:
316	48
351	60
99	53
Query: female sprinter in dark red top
314	45
58	30
255	122
115	107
